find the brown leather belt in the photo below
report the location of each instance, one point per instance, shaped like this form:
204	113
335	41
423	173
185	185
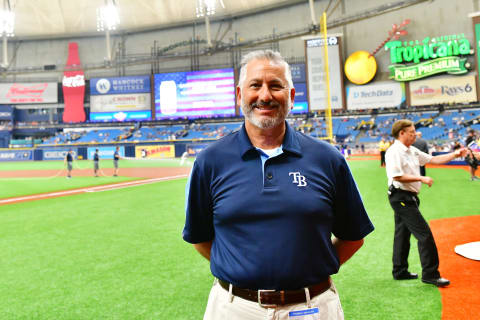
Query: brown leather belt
272	298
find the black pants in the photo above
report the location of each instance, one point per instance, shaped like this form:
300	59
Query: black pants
382	158
408	221
423	172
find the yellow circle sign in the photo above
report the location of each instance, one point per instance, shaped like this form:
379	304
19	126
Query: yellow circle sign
360	67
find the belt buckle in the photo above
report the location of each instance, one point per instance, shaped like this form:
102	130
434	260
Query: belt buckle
260	299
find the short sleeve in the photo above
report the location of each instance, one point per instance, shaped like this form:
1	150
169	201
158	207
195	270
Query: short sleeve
423	158
393	164
351	221
198	206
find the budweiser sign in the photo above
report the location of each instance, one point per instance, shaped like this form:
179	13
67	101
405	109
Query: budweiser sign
73	87
21	93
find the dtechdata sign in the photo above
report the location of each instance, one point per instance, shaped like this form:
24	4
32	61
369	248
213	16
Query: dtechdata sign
376	95
158	151
447	89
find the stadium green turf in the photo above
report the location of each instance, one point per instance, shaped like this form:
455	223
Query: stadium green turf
119	254
17	187
88	164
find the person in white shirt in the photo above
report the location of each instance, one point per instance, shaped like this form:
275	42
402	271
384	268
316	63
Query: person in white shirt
403	163
183	158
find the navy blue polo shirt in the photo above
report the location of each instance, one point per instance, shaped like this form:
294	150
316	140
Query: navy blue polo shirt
273	230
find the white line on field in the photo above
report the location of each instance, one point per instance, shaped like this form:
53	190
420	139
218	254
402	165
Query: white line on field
89	189
132	183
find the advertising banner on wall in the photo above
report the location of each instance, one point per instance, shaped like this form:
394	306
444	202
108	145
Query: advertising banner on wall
476	31
120	102
105	152
73	85
298	72
158	151
28	93
195	94
16	155
300	104
447	89
386	94
317	88
58	154
120	99
119	85
193	149
412	60
6	113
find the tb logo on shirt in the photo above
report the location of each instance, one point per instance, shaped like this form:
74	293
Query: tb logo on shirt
298	179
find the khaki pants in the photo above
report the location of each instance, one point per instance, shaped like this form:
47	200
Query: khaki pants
222	306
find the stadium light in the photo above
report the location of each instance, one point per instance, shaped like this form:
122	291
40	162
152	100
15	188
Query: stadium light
207	7
108	20
7	26
7	23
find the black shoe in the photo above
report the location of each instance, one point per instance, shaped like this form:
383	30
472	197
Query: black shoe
406	276
439	282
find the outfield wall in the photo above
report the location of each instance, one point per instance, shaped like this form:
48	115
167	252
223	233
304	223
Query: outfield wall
168	149
144	150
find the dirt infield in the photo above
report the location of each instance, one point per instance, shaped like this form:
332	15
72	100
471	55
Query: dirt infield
461	299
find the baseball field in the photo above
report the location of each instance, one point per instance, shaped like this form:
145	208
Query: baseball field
111	247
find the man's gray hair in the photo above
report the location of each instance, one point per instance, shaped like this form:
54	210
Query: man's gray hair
272	56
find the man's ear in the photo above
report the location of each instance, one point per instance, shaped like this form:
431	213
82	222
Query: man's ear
292	96
239	96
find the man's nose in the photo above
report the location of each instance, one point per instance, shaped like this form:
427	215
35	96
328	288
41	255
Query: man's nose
264	94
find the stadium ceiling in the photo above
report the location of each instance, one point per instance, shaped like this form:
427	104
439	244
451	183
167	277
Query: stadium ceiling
44	19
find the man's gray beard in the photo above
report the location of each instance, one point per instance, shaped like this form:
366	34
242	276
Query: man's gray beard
266	123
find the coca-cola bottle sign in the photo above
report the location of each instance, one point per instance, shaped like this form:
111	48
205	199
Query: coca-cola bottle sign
73	87
77	81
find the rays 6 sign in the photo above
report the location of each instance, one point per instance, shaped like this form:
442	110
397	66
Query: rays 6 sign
439	90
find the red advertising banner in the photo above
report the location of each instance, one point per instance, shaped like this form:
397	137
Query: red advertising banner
28	93
73	87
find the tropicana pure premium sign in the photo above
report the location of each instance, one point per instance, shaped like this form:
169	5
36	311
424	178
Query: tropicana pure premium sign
428	57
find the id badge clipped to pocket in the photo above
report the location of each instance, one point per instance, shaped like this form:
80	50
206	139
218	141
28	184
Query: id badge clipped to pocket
306	314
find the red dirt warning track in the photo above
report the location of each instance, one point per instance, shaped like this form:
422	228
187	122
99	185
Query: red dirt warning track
145	175
461	299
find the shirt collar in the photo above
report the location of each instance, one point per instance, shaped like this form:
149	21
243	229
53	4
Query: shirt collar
402	146
290	142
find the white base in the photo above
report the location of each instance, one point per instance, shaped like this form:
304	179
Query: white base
469	250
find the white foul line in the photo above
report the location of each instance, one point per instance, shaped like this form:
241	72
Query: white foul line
89	189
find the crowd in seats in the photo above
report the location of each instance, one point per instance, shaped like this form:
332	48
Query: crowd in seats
442	128
141	134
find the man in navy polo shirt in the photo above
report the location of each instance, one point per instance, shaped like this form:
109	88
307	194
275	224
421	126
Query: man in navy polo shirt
262	205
